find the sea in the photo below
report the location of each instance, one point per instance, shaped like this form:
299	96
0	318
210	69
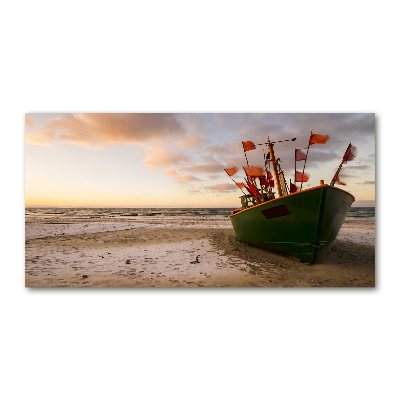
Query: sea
41	222
148	213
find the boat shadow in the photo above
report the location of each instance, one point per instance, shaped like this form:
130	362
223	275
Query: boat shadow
342	253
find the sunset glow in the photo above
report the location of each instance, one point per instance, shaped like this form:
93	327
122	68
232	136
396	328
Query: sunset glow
178	160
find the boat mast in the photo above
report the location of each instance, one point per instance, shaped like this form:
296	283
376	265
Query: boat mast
334	179
271	152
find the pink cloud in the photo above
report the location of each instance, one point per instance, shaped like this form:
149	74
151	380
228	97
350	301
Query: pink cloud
170	171
227	187
186	179
32	139
162	157
210	167
29	121
191	141
99	130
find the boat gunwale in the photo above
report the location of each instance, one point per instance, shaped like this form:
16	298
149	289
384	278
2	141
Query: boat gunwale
290	194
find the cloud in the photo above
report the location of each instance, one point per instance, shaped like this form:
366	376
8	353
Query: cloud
185	146
365	166
29	122
319	155
163	157
218	149
258	127
32	139
370	158
227	187
99	130
210	167
170	171
191	141
366	183
342	128
186	179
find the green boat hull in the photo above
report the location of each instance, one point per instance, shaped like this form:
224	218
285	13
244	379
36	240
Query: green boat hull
299	224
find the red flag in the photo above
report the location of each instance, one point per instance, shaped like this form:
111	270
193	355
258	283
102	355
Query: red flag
293	188
271	183
269	175
300	155
254	171
240	185
231	171
300	177
253	189
318	139
350	154
248	146
339	182
263	181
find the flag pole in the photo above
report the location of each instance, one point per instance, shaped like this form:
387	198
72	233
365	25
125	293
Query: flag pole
273	160
295	156
304	166
245	154
235	183
334	179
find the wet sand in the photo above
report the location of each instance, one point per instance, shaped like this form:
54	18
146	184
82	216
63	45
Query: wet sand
98	254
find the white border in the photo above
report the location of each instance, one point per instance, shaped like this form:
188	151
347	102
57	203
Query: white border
181	57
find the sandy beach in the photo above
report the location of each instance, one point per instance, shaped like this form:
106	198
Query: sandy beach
185	254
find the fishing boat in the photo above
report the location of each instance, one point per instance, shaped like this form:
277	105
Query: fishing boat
293	221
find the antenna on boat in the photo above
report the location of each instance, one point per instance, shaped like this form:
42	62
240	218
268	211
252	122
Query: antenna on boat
304	166
278	141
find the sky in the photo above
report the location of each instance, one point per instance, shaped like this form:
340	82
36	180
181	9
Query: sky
178	160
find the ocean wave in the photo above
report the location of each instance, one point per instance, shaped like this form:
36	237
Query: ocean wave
134	213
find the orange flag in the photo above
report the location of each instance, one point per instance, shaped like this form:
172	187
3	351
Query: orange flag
254	171
231	171
240	185
248	146
300	177
300	155
318	139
